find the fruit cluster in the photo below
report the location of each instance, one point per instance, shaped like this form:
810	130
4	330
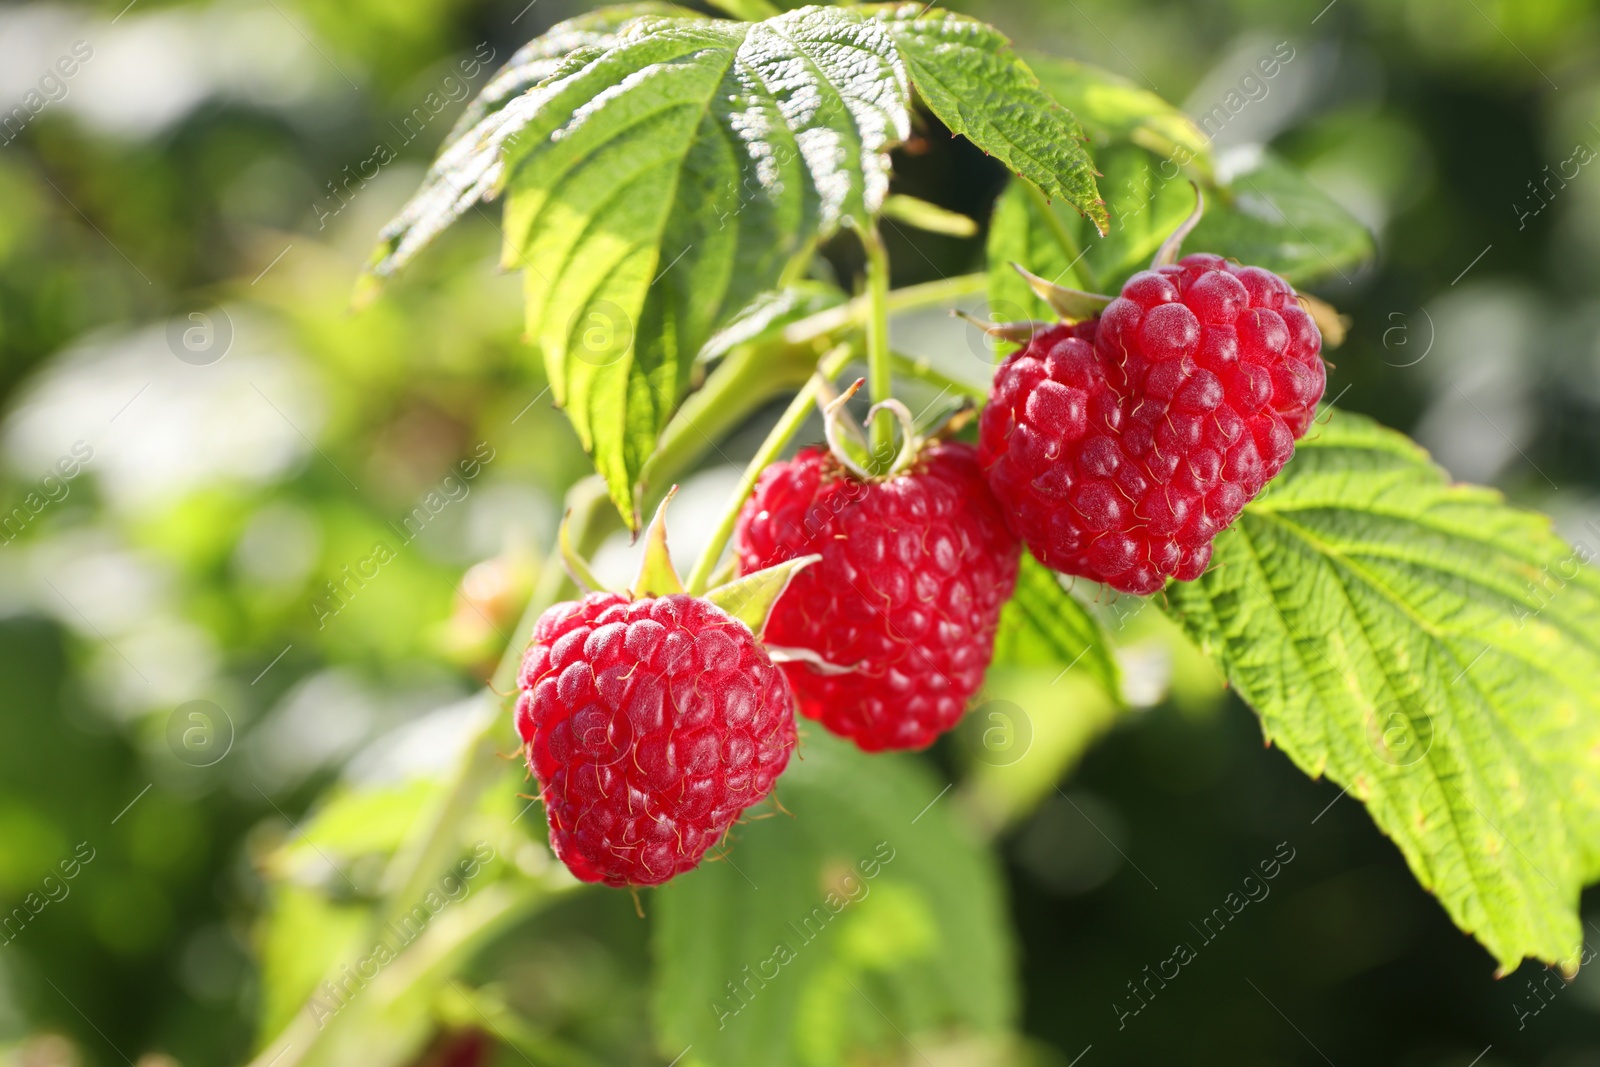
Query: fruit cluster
1115	448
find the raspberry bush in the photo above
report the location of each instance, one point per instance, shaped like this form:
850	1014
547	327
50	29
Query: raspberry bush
671	185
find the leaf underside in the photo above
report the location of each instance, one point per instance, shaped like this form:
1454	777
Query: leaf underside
1434	651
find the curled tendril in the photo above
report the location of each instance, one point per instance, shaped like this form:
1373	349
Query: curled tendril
837	423
1167	254
908	428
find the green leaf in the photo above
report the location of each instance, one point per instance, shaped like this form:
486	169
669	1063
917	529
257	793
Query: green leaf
1026	230
751	598
1268	215
1114	111
657	576
1259	210
350	824
1145	209
542	56
1435	652
970	77
467	170
867	919
658	179
1044	625
1143	145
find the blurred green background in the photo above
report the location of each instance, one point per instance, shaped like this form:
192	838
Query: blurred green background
203	447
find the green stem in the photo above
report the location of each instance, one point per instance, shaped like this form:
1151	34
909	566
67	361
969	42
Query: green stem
789	423
907	298
880	378
430	960
748	378
1081	272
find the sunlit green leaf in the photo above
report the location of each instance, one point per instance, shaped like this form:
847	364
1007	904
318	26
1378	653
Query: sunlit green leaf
1435	652
970	77
657	181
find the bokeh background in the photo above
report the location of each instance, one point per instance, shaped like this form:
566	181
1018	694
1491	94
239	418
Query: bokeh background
201	436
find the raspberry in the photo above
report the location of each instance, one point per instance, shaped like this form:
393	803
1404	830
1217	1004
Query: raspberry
1120	447
650	725
914	571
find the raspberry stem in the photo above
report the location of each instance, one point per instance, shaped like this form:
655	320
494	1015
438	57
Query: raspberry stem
908	432
789	423
906	298
880	377
1168	253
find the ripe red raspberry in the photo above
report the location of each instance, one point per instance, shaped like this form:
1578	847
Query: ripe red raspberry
650	724
1119	448
914	571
